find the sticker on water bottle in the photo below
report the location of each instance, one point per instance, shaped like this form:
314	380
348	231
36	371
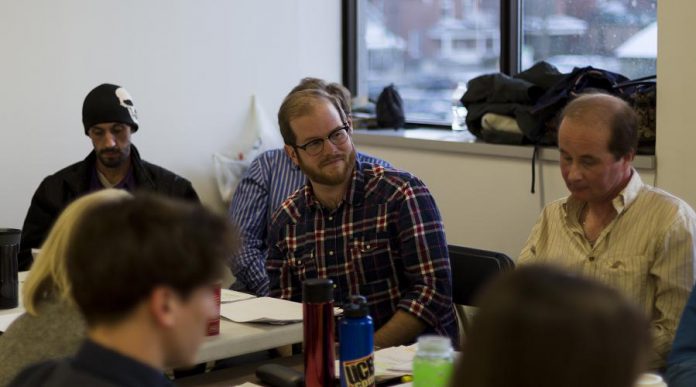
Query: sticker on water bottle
360	372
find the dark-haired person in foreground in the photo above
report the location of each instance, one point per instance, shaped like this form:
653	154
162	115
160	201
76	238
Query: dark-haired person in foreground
374	231
143	273
541	327
613	227
109	119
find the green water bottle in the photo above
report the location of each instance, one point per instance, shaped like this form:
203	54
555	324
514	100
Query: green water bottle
432	365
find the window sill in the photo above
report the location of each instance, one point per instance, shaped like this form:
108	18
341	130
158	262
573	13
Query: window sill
440	140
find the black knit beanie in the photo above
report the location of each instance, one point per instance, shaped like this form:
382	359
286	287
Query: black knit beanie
109	103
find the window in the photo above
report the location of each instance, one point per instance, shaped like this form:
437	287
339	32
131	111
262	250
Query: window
619	36
430	48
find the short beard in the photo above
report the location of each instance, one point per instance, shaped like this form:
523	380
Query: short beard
113	162
316	176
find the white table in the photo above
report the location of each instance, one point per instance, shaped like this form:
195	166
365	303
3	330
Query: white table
234	338
242	338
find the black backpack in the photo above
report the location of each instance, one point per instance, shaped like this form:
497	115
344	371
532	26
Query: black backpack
390	109
641	94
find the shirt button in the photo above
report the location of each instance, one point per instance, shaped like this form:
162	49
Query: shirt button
331	252
591	258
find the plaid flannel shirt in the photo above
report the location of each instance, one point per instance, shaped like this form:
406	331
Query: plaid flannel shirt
270	179
385	241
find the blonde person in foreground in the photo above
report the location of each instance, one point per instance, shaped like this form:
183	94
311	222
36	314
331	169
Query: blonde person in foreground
613	227
52	327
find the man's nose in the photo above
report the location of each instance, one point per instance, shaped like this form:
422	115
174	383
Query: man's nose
574	172
329	147
109	140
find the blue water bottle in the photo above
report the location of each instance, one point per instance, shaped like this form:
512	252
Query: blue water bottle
356	334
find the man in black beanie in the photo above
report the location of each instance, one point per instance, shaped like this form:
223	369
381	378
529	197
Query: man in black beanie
109	119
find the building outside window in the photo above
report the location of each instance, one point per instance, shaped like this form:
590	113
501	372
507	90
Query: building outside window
430	48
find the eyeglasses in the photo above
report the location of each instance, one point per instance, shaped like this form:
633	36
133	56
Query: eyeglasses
337	137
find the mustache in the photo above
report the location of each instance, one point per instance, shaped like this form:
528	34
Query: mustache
110	150
576	186
331	159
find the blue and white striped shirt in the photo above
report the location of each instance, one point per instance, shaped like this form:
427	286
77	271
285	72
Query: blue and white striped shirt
270	179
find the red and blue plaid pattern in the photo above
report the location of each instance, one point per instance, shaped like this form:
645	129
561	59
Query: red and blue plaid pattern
385	241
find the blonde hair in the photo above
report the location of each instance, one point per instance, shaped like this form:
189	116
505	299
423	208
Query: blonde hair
48	276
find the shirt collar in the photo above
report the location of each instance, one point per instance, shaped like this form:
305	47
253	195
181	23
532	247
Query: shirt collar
620	202
127	183
630	192
122	370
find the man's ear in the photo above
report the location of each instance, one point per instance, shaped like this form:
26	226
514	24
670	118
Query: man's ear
292	153
627	159
163	304
630	156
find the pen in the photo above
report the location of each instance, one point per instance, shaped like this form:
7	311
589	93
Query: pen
395	380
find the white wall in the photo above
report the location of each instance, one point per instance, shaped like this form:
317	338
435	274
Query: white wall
190	65
676	97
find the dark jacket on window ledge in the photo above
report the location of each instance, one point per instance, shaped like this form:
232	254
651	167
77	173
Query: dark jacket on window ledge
534	98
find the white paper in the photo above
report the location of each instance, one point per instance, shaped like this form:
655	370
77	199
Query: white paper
650	380
7	319
263	309
248	384
392	362
395	361
227	295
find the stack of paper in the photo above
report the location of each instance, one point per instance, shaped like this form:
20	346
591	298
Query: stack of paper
262	310
227	295
391	362
394	361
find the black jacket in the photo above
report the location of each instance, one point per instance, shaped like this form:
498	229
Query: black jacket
510	96
58	190
93	366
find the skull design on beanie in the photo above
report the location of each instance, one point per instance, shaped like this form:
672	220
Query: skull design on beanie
109	103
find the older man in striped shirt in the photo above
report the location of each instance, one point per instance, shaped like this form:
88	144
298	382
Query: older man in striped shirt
613	227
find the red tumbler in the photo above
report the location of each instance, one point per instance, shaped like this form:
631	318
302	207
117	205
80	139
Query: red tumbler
318	317
214	323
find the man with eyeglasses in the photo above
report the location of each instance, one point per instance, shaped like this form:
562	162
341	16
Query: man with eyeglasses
270	179
109	118
374	231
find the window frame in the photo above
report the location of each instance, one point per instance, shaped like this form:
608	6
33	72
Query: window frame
510	43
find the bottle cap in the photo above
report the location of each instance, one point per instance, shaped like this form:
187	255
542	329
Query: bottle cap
317	290
434	344
356	307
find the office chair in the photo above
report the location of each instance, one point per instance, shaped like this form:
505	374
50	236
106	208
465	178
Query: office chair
471	270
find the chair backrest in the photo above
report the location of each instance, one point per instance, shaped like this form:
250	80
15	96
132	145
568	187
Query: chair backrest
471	269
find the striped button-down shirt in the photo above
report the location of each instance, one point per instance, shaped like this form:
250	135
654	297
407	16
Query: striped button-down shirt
385	241
646	252
270	179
